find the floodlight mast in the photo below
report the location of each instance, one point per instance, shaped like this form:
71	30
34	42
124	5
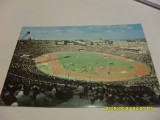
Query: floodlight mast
25	35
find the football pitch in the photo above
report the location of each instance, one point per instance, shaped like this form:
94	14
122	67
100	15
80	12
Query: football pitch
88	61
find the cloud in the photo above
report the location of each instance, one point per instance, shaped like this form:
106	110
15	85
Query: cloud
75	30
125	27
122	31
57	30
130	28
109	31
122	26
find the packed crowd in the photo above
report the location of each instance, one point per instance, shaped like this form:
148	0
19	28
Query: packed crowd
21	91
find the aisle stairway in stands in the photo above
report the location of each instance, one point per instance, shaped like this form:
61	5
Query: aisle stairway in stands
75	102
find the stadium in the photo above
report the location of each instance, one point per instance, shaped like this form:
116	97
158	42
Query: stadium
81	73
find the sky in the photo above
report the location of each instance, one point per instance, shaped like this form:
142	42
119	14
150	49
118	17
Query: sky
105	32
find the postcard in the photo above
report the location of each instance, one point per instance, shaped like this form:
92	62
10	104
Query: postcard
81	67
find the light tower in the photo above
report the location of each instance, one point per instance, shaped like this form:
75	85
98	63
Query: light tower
28	32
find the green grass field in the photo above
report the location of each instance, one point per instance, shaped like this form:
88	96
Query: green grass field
87	60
